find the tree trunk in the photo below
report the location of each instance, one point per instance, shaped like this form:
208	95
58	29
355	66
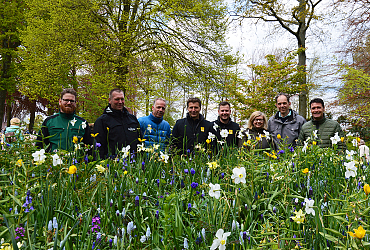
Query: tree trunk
302	57
8	113
2	105
32	116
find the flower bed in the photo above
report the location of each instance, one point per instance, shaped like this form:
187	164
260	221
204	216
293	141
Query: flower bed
238	199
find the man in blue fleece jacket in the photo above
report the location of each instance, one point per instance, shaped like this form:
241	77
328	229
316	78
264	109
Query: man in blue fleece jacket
154	128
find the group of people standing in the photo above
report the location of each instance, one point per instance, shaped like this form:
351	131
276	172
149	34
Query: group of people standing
117	128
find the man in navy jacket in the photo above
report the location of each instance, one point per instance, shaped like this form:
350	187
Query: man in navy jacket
154	128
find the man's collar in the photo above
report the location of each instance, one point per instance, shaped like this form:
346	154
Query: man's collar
290	113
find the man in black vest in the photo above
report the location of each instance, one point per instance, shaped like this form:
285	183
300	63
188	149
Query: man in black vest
224	124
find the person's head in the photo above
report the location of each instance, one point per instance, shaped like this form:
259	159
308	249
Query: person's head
257	120
283	103
116	99
194	106
224	111
158	108
67	101
362	142
317	108
15	121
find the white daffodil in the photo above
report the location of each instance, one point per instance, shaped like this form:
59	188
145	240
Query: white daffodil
335	139
304	149
314	133
221	142
309	206
73	121
140	147
83	125
349	134
224	133
126	151
351	169
164	157
211	136
220	242
240	135
156	146
349	155
215	126
39	156
56	160
239	175
267	134
149	128
215	190
354	142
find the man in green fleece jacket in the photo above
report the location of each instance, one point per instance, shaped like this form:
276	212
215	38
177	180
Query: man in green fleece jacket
58	130
320	128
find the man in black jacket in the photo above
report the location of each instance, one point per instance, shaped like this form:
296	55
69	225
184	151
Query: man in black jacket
116	128
224	124
193	129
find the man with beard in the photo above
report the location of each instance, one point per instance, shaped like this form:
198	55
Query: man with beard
64	129
116	127
155	129
193	129
225	124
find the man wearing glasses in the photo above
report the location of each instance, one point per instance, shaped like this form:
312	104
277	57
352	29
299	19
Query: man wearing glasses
286	122
58	130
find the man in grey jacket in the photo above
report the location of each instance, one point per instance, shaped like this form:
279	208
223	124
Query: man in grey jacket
286	124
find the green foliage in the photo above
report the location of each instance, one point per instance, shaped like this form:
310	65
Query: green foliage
272	78
354	94
147	48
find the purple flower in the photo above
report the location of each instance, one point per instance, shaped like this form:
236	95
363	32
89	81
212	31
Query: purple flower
194	185
291	149
192	171
189	207
158	182
186	171
310	192
98	145
137	201
222	175
281	152
157	214
143	165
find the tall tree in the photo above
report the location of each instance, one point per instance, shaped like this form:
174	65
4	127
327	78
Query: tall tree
11	19
103	41
270	78
294	18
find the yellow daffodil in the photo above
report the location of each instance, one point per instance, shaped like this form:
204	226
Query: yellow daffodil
94	135
75	139
100	168
125	172
358	139
81	139
299	217
108	129
342	139
278	136
208	141
141	140
359	233
212	165
258	138
72	169
367	189
305	171
314	143
19	163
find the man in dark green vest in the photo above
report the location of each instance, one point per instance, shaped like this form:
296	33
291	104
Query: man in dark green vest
324	131
58	130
